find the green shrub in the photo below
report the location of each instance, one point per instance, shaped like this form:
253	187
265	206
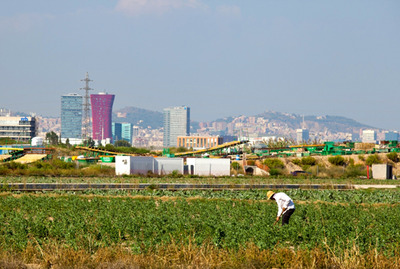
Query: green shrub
308	161
57	163
110	147
274	163
296	162
354	171
14	165
176	174
236	166
372	159
337	160
275	172
393	157
361	157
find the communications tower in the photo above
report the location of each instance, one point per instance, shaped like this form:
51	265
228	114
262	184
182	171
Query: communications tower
86	109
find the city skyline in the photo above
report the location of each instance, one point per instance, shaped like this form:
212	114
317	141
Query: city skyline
224	58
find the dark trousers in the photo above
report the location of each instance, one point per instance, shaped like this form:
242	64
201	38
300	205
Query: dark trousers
286	216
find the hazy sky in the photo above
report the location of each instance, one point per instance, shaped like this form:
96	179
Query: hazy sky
221	58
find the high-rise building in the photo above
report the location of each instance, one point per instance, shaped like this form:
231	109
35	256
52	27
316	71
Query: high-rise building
176	123
368	136
116	131
102	115
127	131
122	131
302	136
71	117
135	131
391	136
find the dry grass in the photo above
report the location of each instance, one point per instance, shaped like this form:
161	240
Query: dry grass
192	256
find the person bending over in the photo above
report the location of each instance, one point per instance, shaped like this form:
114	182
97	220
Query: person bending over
285	206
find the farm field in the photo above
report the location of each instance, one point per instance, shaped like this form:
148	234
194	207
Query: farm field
197	180
197	229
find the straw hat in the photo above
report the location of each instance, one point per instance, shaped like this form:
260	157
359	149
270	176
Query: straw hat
269	194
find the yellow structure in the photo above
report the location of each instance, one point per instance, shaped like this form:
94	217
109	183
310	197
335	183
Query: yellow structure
30	158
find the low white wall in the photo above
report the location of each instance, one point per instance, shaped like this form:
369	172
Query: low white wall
165	166
209	167
130	165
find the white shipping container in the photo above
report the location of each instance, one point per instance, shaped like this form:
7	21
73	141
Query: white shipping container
130	165
142	165
209	167
165	166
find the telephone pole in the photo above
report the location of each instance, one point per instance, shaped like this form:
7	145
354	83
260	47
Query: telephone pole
86	108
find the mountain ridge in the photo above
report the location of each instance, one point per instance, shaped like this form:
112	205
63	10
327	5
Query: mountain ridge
154	119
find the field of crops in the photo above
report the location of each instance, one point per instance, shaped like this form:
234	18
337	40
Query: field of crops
327	226
190	179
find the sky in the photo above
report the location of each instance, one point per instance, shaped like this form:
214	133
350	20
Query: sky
221	58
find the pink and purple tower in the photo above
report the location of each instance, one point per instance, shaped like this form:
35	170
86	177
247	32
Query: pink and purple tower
102	115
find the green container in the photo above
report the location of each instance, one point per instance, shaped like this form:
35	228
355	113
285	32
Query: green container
107	159
87	160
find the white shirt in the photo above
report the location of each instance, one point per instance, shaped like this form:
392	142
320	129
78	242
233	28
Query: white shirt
283	201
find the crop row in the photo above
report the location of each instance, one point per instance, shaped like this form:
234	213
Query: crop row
144	224
370	196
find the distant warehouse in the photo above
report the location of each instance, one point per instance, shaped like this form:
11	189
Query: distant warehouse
18	128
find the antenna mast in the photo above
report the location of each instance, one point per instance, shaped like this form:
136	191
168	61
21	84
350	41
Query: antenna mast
86	108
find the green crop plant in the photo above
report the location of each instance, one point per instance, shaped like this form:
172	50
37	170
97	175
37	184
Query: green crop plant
338	223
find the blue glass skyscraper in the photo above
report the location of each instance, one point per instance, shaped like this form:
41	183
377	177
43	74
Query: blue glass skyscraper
71	116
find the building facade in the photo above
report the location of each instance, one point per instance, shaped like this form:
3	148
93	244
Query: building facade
302	136
176	123
116	131
368	136
102	115
391	136
71	116
18	128
127	132
199	142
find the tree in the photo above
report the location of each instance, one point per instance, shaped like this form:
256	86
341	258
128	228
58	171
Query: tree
89	143
67	143
52	138
122	143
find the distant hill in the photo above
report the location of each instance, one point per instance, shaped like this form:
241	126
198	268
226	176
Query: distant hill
143	118
154	119
139	117
318	123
